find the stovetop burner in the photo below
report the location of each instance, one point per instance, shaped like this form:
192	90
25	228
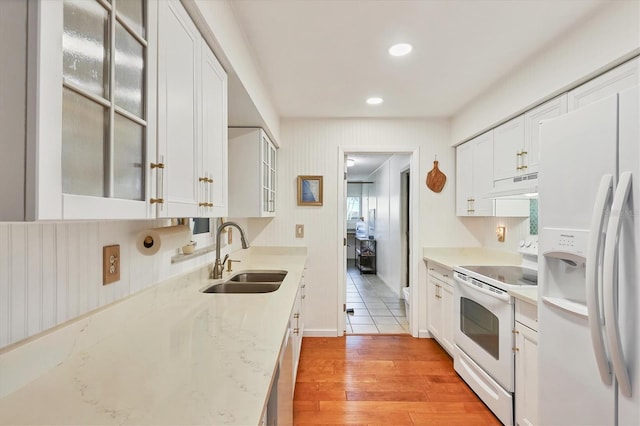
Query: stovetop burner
511	275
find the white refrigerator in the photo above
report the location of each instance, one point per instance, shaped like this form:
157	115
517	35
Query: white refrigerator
589	268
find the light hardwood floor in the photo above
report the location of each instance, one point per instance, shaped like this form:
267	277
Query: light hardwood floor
382	380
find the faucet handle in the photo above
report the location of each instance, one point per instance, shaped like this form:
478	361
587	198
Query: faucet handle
230	264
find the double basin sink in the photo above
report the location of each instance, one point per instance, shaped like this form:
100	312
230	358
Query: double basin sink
252	281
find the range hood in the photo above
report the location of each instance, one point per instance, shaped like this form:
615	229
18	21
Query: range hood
519	187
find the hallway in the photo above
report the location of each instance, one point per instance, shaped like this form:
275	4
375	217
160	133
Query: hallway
376	308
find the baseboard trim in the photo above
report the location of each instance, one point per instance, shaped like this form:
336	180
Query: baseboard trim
424	334
321	332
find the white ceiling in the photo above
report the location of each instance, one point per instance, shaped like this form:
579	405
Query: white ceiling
364	165
323	58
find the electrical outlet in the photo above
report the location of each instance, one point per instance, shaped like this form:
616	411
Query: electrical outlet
299	231
110	264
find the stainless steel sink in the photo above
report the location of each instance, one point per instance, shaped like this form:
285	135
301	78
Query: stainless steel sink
259	277
234	287
253	281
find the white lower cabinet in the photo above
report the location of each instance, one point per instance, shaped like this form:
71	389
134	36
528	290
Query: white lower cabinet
440	306
297	326
279	409
526	350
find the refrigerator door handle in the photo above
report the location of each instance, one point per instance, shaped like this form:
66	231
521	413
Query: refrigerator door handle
592	277
609	284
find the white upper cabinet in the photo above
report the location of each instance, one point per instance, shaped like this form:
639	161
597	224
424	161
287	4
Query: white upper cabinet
178	149
474	176
618	79
530	154
99	75
508	144
252	173
90	110
214	97
191	163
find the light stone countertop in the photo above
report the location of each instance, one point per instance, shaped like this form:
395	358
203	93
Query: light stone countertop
526	294
165	356
448	257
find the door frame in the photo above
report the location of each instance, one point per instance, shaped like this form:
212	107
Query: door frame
414	226
405	227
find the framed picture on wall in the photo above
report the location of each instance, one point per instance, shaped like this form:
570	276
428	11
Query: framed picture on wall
309	190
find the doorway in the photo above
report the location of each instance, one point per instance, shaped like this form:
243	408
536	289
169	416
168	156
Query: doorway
377	266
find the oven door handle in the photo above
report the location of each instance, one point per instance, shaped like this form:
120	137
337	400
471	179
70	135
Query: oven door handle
502	296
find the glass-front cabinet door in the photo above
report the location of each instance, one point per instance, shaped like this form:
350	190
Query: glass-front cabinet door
268	176
93	106
104	114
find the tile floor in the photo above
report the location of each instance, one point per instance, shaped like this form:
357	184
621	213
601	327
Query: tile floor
377	309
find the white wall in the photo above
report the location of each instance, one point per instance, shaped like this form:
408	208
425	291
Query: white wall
606	37
51	273
311	148
387	181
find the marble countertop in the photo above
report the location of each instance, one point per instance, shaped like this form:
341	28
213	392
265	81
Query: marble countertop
448	257
526	294
167	355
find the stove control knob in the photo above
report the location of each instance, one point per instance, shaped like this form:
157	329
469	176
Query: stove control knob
521	243
528	244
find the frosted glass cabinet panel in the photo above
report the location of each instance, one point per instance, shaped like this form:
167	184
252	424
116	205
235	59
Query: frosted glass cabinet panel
84	131
131	12
85	46
128	156
129	72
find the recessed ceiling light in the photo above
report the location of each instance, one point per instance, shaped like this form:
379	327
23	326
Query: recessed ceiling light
374	101
400	49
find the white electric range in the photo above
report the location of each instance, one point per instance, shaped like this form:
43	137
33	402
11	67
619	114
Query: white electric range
484	322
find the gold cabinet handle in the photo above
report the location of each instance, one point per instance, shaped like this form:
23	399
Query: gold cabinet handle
203	179
515	349
296	316
160	188
203	204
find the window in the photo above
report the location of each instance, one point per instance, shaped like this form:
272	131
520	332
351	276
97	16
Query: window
353	208
103	120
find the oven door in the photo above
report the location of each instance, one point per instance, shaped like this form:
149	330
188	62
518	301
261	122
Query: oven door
484	321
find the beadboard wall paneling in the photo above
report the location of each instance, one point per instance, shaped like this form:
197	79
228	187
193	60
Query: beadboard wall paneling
51	273
310	147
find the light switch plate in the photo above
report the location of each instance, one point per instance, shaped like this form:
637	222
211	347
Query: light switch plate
110	264
299	231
